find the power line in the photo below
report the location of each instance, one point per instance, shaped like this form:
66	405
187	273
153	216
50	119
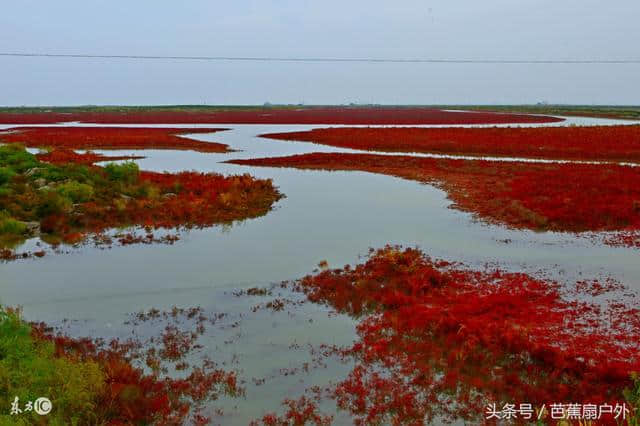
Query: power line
324	59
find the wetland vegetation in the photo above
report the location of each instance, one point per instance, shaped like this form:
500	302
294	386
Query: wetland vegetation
69	202
433	340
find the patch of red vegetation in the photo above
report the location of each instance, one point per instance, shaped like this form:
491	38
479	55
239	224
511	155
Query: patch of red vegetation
110	138
597	287
64	156
7	254
439	341
302	411
306	115
624	239
176	343
611	143
134	396
186	199
558	197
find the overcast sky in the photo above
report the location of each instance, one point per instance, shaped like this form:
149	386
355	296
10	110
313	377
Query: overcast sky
469	29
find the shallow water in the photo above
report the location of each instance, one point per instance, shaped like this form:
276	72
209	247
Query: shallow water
333	216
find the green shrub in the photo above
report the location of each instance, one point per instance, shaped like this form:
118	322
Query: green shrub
146	190
5	175
53	203
75	191
16	158
77	172
633	398
9	225
29	369
126	172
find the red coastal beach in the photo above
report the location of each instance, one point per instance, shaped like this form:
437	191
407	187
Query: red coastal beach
614	143
302	115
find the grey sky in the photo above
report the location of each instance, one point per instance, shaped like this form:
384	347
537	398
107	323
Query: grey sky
525	29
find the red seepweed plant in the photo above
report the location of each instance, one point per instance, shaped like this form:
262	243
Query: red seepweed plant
305	115
110	138
65	156
603	143
437	341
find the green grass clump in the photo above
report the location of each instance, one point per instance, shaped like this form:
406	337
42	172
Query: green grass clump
9	225
75	191
29	370
632	397
5	175
73	172
126	173
52	203
16	159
